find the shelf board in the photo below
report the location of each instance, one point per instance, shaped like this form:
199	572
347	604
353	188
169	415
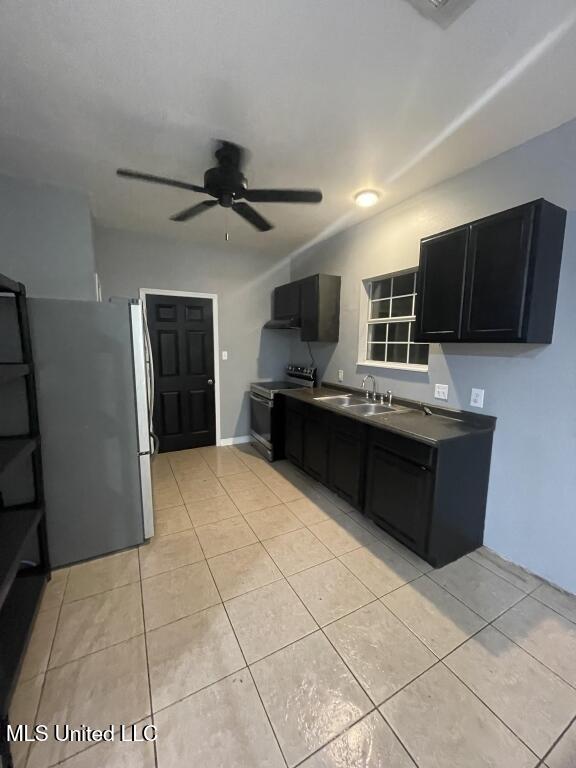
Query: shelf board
8	285
16	618
11	371
15	529
14	449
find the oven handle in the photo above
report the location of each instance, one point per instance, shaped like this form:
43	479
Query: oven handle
262	400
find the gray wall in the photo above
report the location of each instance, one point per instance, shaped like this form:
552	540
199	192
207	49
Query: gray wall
531	389
128	261
46	240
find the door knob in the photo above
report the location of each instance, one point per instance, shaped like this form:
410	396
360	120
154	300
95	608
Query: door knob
210	381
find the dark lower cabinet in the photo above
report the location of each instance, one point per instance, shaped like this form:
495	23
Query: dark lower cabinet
294	432
346	460
398	495
315	444
432	498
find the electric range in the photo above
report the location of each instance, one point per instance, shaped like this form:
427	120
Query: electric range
265	426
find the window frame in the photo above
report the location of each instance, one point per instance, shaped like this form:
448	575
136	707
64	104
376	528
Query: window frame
365	321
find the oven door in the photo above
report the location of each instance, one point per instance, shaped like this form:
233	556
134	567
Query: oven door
261	421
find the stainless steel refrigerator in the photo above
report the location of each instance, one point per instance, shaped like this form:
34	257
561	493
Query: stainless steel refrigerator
94	394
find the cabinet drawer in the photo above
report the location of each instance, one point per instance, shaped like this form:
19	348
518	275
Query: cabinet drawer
412	450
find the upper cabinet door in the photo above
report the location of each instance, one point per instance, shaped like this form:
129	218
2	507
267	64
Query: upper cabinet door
287	301
440	286
498	266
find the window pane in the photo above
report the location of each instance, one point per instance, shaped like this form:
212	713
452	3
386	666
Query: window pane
379	309
397	353
419	354
381	289
377	332
402	307
403	284
377	352
398	331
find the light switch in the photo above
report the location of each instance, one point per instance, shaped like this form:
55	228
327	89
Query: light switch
441	391
340	375
224	355
477	398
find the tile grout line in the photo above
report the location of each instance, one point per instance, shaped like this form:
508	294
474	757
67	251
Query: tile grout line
248	668
557	741
489	708
482	565
45	673
147	660
362	688
440	659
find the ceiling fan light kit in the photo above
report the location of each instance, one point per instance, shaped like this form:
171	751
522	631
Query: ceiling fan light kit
227	184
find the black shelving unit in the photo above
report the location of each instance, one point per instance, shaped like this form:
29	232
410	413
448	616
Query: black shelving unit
21	581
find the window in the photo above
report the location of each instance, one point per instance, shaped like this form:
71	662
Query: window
387	323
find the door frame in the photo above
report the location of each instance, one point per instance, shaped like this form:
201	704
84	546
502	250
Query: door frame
213	297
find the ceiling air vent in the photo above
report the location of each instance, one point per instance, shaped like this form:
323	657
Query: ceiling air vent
443	12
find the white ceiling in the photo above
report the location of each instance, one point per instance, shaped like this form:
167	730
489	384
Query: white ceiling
336	94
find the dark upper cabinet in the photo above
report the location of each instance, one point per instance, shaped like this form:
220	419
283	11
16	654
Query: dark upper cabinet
286	303
320	308
495	279
440	286
311	304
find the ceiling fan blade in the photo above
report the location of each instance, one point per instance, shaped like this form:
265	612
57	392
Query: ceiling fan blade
189	213
283	195
125	173
252	216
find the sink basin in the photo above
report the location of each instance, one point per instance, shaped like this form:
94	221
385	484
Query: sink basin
370	409
345	400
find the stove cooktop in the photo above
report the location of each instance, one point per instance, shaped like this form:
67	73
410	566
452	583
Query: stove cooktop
277	385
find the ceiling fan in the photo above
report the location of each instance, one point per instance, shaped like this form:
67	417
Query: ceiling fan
227	184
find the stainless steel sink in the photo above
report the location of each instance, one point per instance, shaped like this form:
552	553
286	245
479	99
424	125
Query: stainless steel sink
345	400
370	409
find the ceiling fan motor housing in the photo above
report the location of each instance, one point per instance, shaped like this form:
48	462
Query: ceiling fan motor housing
226	183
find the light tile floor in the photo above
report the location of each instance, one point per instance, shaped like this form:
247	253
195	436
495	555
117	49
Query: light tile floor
268	624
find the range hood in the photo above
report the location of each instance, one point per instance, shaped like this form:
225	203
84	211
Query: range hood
283	324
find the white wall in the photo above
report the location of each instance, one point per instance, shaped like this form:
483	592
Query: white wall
46	240
129	261
531	515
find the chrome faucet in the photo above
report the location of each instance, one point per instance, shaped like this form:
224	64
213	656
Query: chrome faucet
369	376
387	395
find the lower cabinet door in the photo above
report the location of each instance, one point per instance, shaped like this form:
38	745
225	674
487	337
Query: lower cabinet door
399	496
346	466
315	451
294	435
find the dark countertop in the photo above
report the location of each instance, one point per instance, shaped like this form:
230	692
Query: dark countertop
444	423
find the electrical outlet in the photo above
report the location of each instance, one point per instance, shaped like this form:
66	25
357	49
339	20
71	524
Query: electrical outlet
477	398
441	391
224	355
340	375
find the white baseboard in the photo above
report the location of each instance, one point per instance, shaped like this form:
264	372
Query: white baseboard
235	440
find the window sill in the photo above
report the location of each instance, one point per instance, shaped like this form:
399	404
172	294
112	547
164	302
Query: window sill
395	366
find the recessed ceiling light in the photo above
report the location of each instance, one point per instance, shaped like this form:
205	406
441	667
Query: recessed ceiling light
366	198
